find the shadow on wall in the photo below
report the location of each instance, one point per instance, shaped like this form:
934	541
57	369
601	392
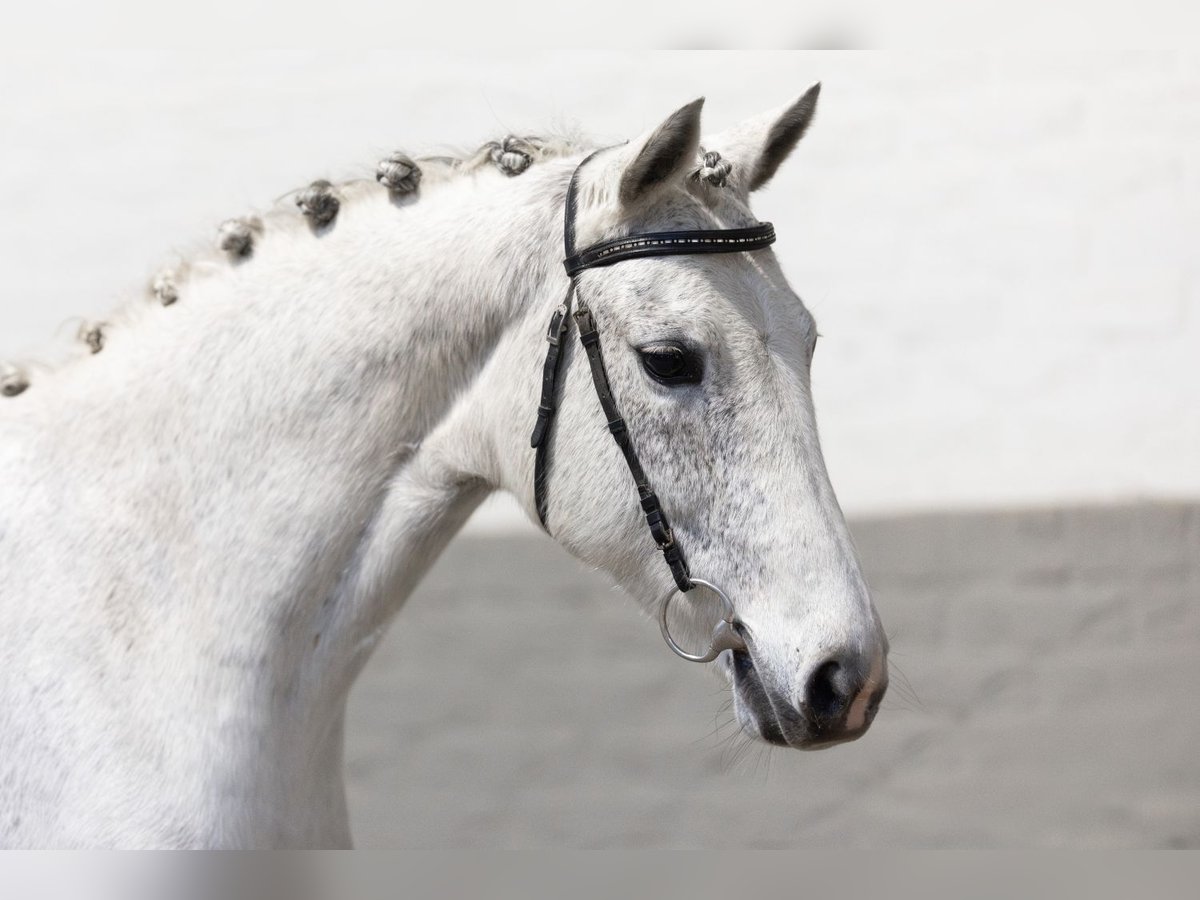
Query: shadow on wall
1044	671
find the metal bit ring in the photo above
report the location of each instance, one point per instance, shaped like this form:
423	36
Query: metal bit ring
725	635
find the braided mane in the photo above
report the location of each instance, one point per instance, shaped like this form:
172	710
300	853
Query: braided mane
318	204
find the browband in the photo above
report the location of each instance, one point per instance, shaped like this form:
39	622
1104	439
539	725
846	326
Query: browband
671	243
634	246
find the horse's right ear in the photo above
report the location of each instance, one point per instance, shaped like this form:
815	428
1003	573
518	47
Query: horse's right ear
661	156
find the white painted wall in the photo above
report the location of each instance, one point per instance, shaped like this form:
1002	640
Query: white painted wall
1001	250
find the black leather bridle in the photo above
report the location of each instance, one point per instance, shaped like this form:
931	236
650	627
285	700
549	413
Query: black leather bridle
636	246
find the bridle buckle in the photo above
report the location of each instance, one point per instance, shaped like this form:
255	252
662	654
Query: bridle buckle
556	331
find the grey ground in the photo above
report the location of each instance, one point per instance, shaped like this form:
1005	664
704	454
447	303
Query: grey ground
1054	663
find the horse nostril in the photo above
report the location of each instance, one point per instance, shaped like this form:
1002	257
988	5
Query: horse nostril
829	692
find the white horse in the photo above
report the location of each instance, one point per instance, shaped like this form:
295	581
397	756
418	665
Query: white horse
208	520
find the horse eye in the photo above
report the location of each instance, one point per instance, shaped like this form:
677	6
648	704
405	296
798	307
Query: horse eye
672	364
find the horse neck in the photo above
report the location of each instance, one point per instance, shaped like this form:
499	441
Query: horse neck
260	473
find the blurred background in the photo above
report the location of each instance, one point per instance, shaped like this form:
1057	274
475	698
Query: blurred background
1000	250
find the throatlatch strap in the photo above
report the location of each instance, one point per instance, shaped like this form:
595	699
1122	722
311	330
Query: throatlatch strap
555	336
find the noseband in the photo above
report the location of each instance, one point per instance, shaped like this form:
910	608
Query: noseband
726	635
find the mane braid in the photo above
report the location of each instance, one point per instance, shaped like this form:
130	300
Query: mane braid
319	204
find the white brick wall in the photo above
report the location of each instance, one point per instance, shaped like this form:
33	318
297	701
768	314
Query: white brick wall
1000	250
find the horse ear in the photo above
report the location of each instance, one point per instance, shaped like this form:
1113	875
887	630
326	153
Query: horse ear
659	156
758	147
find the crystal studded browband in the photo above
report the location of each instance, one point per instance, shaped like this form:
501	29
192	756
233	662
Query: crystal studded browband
671	243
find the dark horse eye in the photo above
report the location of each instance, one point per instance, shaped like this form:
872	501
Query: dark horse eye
671	363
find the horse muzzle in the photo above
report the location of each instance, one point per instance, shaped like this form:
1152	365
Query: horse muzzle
840	698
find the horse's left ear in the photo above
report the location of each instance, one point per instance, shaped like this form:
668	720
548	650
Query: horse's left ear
757	147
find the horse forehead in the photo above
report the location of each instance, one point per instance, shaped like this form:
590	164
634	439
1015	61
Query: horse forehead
733	300
723	297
